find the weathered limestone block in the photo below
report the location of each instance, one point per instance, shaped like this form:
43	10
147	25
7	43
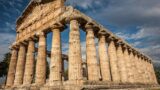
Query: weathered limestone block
56	58
75	56
113	62
20	66
12	68
121	64
104	61
41	61
92	64
29	67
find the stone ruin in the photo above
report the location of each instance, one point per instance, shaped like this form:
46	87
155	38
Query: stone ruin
119	65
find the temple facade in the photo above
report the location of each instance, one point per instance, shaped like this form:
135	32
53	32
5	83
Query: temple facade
118	62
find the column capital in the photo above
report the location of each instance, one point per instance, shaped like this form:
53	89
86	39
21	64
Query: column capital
69	19
40	34
138	54
142	56
103	33
119	42
130	49
13	47
30	39
125	46
111	38
57	25
24	43
89	25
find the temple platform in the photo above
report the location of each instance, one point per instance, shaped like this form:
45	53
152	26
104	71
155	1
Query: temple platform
87	86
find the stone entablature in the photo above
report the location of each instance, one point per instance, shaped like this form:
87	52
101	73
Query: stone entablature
119	63
36	10
64	14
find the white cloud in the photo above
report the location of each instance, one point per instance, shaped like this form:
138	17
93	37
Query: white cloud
146	31
5	42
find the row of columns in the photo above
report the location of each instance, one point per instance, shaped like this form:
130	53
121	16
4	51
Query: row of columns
118	63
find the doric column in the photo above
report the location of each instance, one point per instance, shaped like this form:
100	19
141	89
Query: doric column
56	58
29	67
147	72
131	67
12	68
75	56
151	73
142	69
136	67
113	61
92	63
20	66
126	58
104	61
121	64
41	60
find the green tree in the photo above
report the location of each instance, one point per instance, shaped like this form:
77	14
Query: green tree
4	65
157	72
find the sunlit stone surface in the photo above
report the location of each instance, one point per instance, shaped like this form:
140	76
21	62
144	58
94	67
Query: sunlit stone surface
113	63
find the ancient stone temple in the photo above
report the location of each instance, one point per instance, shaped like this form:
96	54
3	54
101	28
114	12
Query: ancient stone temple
118	65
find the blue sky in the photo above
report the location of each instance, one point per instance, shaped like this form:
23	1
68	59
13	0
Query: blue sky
137	21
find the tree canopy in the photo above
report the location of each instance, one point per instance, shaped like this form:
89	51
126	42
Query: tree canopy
4	65
157	71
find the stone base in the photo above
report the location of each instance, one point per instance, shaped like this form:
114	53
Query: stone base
88	85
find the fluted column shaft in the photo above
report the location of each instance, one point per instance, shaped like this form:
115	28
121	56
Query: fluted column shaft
104	62
20	66
92	64
113	62
143	70
12	68
126	58
75	56
56	58
139	69
147	73
131	69
41	61
29	67
134	68
151	74
137	75
121	64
